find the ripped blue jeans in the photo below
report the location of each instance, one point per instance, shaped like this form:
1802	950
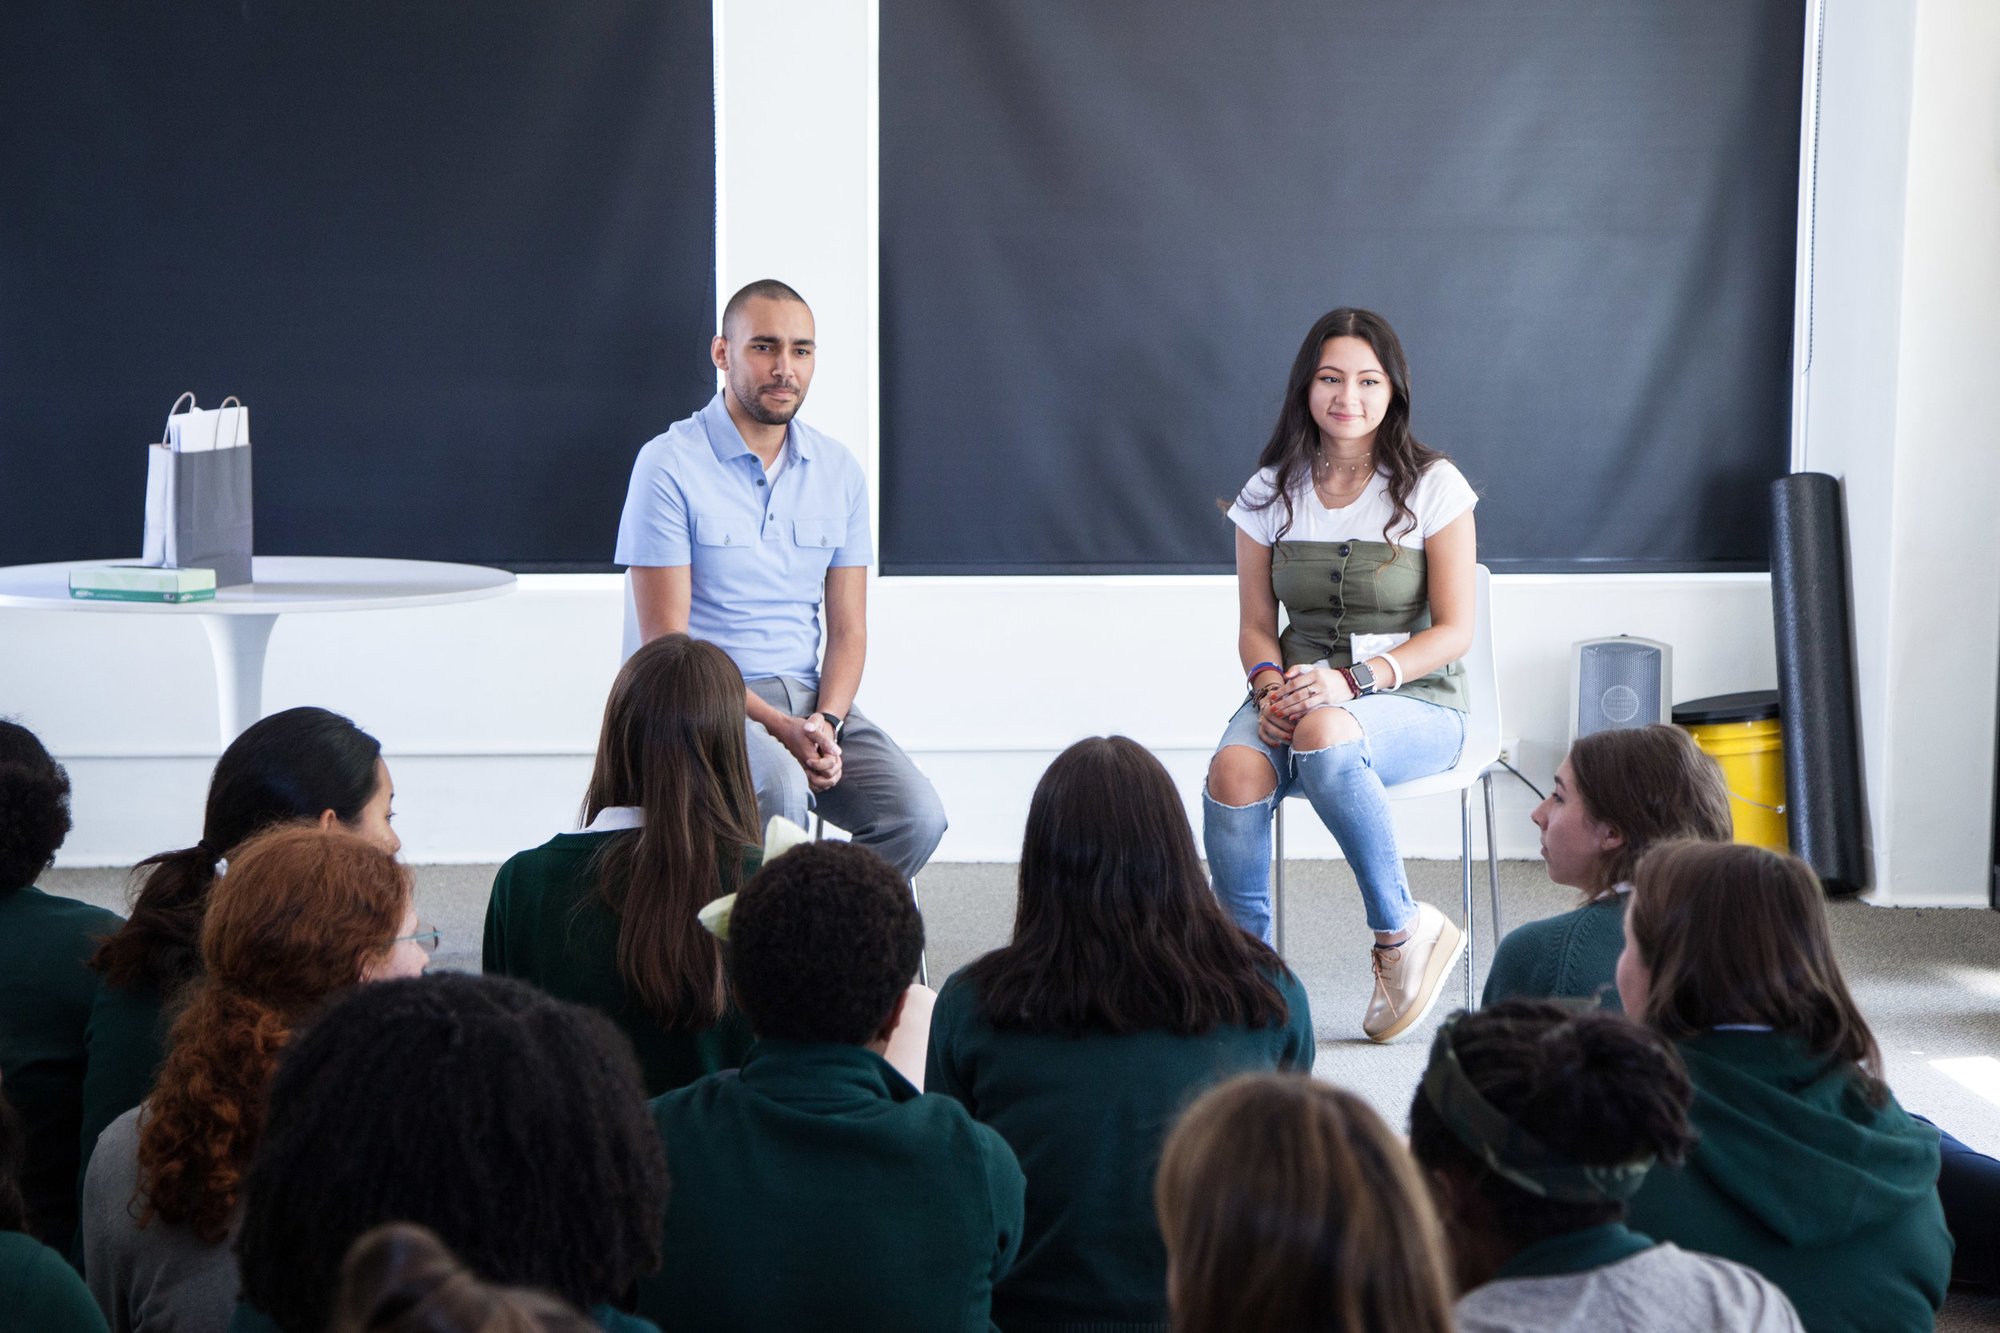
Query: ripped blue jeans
1402	738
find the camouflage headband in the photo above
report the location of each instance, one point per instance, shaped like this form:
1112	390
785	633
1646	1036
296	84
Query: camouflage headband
1510	1151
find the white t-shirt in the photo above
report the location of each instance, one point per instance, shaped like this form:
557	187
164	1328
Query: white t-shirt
1441	495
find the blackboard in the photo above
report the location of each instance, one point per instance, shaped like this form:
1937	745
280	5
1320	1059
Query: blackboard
1106	226
458	258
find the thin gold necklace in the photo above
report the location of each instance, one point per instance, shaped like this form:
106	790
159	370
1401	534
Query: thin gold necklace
1326	467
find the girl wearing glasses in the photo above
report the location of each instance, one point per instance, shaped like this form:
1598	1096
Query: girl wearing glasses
301	915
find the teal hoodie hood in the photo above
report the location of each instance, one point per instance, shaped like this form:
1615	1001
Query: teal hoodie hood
1768	1110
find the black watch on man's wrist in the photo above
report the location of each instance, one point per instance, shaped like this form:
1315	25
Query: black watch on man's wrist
1364	679
837	722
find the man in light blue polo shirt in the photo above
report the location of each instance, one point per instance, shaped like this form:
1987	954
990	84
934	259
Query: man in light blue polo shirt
739	525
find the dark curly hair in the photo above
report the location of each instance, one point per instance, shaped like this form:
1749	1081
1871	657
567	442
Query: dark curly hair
34	807
401	1279
13	1151
822	941
511	1124
289	766
299	914
1593	1086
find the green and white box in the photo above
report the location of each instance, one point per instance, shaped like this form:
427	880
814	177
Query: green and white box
141	583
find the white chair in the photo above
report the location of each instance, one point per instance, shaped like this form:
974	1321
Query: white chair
1482	748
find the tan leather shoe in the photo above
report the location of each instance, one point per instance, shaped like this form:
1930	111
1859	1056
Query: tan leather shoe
1409	976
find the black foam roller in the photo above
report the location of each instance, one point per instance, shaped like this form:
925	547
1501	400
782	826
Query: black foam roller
1815	640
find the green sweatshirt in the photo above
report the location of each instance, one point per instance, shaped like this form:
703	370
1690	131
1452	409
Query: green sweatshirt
128	1044
1796	1176
1571	954
39	1291
1087	1117
46	990
547	925
249	1319
816	1189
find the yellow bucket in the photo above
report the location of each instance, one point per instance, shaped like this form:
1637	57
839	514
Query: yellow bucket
1752	756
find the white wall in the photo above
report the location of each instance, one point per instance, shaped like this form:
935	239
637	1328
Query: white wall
489	710
1906	336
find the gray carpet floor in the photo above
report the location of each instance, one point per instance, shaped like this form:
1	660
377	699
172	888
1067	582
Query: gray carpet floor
1928	980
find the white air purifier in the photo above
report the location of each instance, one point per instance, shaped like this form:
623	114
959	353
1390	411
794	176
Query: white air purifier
1621	682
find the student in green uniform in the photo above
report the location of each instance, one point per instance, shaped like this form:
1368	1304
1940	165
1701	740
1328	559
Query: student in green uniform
37	1289
816	1188
606	916
1617	794
401	1279
303	914
304	765
1125	992
45	988
508	1123
1535	1123
1807	1170
1288	1204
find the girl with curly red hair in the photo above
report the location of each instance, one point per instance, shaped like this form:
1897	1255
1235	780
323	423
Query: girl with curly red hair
302	914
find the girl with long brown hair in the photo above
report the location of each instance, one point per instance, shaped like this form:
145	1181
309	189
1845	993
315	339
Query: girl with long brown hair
301	915
1287	1204
606	916
1807	1170
1123	974
1616	795
1365	536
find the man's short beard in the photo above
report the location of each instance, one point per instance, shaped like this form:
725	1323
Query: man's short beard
753	407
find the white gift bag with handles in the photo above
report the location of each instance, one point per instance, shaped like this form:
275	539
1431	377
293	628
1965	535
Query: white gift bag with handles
198	491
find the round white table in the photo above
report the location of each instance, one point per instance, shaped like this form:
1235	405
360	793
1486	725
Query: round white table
239	620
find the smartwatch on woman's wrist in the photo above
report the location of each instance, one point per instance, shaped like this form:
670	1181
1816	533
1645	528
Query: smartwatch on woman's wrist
1363	678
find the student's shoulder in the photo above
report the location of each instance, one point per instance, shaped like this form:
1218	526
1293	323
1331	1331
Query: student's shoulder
46	913
1737	1295
695	1102
960	1137
560	851
41	1290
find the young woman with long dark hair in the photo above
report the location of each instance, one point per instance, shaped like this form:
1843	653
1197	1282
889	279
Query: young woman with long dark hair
1534	1124
1616	795
1288	1204
1365	536
1124	992
302	914
607	916
46	990
1807	1170
301	766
